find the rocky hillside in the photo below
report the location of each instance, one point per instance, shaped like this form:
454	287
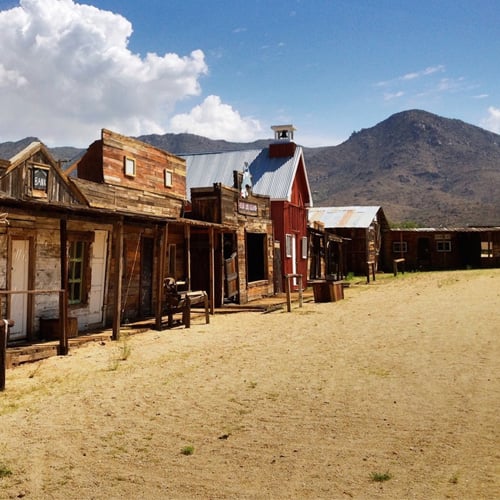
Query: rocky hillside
420	167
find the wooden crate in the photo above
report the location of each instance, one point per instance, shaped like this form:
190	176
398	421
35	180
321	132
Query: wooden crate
49	328
328	291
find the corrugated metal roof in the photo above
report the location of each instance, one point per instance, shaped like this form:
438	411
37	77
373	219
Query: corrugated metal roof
271	177
337	217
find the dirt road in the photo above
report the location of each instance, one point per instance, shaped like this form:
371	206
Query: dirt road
390	393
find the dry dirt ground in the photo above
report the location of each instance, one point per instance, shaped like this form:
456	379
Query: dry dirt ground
398	382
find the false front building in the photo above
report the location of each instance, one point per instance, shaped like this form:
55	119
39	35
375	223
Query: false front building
278	172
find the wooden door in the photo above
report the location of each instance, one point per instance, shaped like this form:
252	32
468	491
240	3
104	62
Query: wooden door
98	279
231	276
19	273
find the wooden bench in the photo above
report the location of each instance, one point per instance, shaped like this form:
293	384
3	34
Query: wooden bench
181	302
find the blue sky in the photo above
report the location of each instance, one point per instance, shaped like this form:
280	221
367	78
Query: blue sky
231	69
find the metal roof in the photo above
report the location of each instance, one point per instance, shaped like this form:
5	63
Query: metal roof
344	217
271	177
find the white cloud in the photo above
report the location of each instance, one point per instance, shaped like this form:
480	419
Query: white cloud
389	96
216	120
430	70
66	72
492	121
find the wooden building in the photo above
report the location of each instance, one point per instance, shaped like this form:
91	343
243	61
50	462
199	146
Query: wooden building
426	249
245	244
45	212
361	229
277	171
94	244
326	261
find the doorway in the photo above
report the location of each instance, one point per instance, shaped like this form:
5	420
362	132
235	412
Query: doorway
424	253
98	279
146	295
19	280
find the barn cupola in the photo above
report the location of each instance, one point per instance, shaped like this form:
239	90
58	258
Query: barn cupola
283	145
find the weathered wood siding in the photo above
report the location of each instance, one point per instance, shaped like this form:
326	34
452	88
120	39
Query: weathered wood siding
440	249
103	179
222	204
45	262
17	180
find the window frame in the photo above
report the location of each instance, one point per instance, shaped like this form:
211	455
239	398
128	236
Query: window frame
304	247
129	166
288	245
35	170
399	247
85	240
168	178
443	246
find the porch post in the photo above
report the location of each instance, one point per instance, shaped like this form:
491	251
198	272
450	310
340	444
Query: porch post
187	238
161	245
117	306
63	295
211	241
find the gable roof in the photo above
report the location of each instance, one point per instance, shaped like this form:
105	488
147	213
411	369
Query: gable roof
9	166
346	217
273	177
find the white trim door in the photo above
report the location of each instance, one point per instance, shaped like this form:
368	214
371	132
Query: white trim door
19	281
98	277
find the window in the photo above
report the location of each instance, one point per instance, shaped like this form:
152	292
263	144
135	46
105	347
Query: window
443	245
129	165
486	249
304	247
40	178
75	275
168	178
79	267
288	245
399	247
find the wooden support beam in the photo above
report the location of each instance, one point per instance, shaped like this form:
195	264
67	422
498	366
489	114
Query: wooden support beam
162	245
187	238
3	353
370	270
395	266
63	295
288	278
118	256
4	333
211	244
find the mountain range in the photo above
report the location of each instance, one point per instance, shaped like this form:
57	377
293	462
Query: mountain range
421	168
